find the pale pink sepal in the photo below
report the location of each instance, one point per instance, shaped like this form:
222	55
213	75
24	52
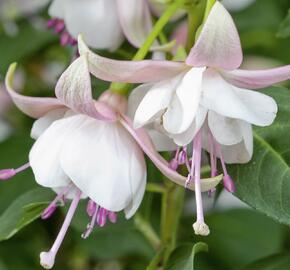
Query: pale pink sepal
129	71
219	44
145	143
256	79
74	90
33	106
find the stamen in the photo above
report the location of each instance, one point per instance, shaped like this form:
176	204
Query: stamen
9	173
91	225
91	208
47	259
112	216
182	156
227	180
174	162
200	228
102	217
49	211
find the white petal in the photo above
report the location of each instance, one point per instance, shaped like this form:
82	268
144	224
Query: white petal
243	151
135	19
225	130
188	94
44	155
230	101
136	97
96	20
160	139
56	9
186	137
41	124
103	160
155	101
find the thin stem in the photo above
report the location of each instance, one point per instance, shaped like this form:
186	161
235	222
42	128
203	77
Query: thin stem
209	5
195	18
142	52
146	229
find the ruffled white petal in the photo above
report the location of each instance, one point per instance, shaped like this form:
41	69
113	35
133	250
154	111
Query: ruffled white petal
41	124
155	101
230	101
135	20
184	106
103	160
44	155
57	9
186	137
243	151
96	20
225	130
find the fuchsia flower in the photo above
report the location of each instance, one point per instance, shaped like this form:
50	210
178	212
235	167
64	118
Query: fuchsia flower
102	31
87	149
204	101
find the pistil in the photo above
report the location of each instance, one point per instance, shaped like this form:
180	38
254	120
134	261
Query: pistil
199	226
47	259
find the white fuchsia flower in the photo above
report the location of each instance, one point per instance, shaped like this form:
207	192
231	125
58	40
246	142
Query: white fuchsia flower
205	101
87	149
104	23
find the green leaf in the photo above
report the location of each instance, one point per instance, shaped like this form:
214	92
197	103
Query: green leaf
274	262
264	183
237	237
183	256
23	211
284	29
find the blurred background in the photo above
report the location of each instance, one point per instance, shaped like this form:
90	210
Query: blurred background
238	236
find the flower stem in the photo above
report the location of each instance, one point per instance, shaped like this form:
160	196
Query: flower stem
172	204
146	229
195	18
123	88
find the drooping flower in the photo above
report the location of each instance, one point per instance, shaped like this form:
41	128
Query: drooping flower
205	101
87	149
104	23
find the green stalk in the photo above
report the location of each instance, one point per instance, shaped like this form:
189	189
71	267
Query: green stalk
195	19
123	88
209	5
172	205
146	229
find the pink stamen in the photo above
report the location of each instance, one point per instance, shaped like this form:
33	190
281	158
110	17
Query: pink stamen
91	225
227	180
182	156
112	216
9	173
91	208
47	259
213	160
64	38
49	211
51	23
173	164
59	26
102	217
